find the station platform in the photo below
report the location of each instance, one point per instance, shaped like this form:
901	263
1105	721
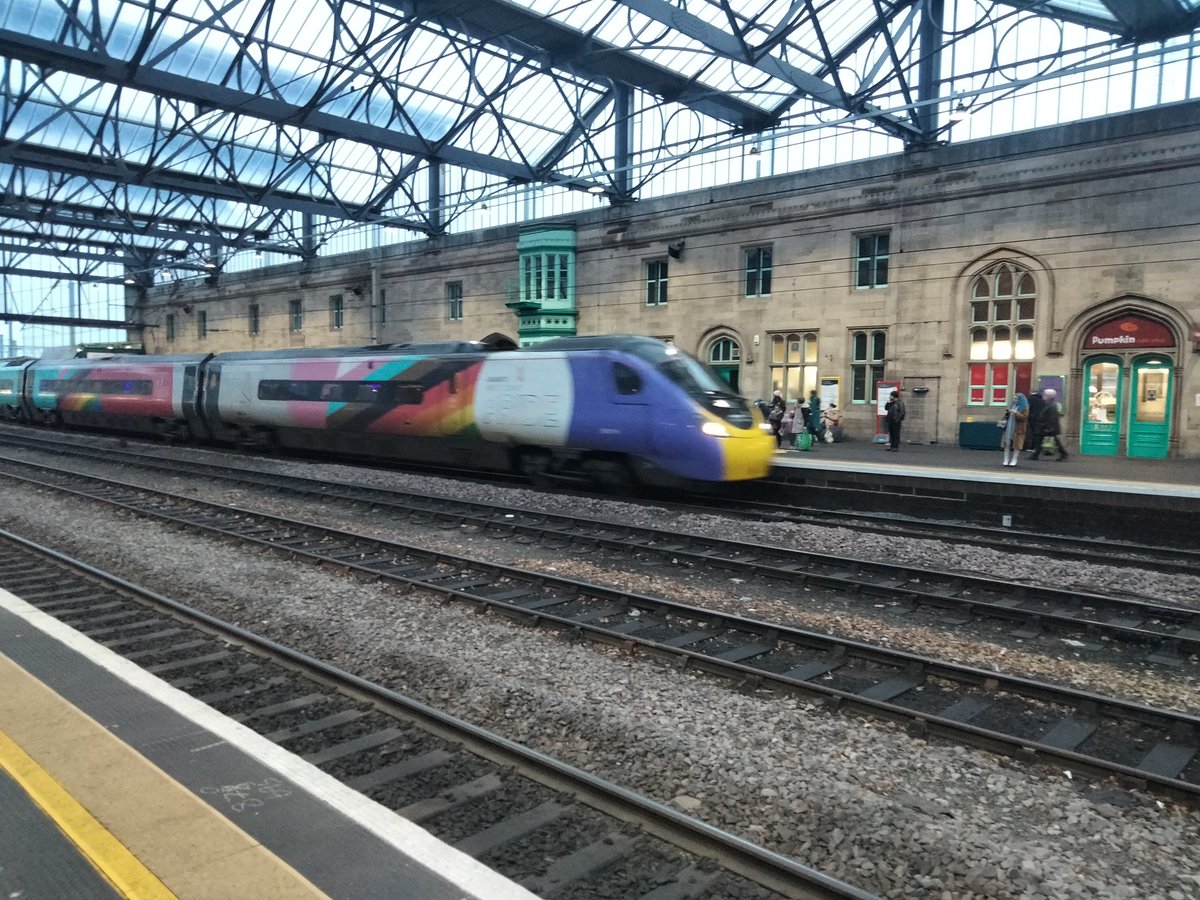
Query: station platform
115	784
1149	501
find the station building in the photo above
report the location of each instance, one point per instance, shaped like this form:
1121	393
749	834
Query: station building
1063	257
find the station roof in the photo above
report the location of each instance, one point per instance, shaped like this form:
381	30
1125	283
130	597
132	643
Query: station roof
172	135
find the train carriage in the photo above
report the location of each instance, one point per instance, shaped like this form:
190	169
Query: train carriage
13	373
614	410
617	410
141	394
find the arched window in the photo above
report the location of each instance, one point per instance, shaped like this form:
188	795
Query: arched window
1003	308
724	351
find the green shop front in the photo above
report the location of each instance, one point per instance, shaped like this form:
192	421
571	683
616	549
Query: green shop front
1129	371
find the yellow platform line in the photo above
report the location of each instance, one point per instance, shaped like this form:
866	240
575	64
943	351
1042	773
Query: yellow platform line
112	858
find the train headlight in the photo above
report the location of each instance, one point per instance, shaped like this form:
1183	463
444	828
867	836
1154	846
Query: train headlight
716	429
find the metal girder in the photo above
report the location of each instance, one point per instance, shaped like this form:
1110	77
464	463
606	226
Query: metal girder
579	53
1135	20
198	125
268	109
67	321
735	47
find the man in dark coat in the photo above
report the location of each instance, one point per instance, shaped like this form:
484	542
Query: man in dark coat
1050	424
1033	437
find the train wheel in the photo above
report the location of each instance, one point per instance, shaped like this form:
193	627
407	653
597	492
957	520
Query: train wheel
611	475
534	465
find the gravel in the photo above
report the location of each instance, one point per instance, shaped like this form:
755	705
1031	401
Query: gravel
858	799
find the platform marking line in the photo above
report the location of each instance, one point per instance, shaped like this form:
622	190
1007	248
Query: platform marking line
469	875
109	856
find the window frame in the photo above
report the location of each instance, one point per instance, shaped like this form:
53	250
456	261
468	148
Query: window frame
657	274
454	301
871	261
337	312
806	363
1001	347
870	367
254	320
758	264
201	324
170	328
295	316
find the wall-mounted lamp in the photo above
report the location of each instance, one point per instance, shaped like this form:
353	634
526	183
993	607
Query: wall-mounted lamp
595	189
675	250
754	149
130	280
210	264
355	289
959	113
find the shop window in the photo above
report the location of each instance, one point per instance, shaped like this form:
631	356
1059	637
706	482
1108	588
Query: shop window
794	364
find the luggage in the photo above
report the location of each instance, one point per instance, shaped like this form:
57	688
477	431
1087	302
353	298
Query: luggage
1049	447
803	441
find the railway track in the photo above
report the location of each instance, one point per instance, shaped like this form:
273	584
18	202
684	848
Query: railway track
1155	558
486	795
1168	634
1024	718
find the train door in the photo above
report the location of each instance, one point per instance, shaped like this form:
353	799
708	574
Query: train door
1150	398
1100	432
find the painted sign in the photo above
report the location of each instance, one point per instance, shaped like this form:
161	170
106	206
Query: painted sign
1128	333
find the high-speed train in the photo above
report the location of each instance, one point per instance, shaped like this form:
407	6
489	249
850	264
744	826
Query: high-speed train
617	410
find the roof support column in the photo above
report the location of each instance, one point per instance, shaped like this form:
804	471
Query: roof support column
308	243
436	200
929	72
623	141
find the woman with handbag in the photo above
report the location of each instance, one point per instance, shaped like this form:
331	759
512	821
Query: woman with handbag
1015	423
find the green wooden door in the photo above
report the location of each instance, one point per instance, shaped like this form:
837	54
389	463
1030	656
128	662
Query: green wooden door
1100	432
731	375
1151	392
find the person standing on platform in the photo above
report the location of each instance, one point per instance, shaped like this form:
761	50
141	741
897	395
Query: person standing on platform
787	428
815	425
894	411
775	416
1051	424
1012	441
833	422
1033	442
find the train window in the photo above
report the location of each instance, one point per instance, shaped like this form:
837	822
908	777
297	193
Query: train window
396	394
627	380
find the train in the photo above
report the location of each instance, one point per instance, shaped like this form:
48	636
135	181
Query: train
616	411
